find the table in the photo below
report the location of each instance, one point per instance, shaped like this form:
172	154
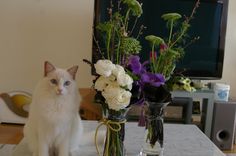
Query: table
207	97
179	140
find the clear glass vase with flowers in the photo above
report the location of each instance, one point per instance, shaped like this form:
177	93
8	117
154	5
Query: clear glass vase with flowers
156	77
113	88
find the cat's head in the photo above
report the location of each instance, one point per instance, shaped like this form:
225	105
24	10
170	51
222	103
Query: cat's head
60	81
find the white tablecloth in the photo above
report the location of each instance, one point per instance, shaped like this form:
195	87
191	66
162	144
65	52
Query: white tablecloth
179	140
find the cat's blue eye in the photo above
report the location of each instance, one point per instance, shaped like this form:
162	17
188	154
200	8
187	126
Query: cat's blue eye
54	81
67	83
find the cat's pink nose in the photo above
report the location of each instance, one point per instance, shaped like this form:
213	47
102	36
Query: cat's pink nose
59	91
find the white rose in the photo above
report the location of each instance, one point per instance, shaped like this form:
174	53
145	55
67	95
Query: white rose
116	97
104	67
101	83
111	78
130	86
117	70
110	89
124	79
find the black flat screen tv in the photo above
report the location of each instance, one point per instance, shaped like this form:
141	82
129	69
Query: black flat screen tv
203	59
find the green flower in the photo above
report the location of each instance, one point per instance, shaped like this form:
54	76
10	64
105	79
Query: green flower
130	45
171	16
154	40
134	6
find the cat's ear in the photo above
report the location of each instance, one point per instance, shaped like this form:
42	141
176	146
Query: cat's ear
48	67
73	71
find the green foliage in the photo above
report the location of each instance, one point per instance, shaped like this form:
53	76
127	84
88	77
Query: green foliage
170	49
115	35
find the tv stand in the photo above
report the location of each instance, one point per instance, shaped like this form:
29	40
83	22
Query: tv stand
207	97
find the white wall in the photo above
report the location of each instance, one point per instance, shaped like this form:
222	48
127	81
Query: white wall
32	31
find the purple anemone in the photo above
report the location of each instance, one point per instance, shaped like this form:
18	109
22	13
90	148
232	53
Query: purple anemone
153	79
134	64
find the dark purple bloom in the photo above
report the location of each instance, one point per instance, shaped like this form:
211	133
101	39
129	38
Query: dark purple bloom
134	64
153	79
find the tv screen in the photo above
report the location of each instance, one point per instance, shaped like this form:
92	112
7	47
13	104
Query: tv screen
204	58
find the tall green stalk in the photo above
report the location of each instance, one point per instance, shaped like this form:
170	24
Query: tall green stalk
153	59
118	52
127	19
108	43
185	28
170	35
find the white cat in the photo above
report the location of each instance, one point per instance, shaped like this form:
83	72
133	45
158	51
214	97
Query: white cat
54	125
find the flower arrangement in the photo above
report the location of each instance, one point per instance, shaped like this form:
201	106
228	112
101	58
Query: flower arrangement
123	80
156	76
114	86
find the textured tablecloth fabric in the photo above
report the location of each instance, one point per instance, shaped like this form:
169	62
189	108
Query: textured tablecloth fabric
179	140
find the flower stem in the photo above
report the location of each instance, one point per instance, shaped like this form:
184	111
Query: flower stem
180	36
153	59
118	53
108	44
170	35
98	47
126	19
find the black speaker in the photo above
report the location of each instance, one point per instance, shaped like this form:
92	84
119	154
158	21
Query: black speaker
223	125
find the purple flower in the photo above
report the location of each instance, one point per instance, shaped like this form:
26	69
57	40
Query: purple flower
153	79
134	64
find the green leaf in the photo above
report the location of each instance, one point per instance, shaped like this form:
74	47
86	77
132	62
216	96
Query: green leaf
105	27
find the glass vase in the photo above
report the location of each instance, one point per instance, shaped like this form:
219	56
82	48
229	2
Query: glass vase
154	132
115	135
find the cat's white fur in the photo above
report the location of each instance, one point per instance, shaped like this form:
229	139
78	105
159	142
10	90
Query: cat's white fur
54	125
